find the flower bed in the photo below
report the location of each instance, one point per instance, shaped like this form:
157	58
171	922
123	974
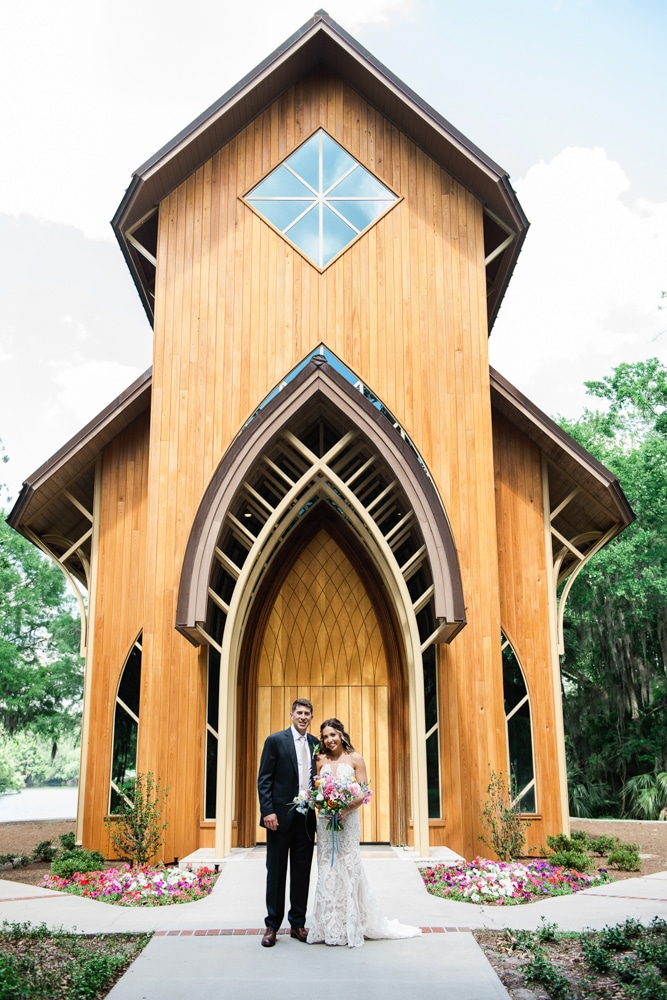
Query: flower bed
506	883
147	886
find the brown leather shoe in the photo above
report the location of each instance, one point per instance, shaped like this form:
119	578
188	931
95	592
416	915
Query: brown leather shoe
269	938
300	933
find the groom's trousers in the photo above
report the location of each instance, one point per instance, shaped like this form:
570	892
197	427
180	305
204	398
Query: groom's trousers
296	848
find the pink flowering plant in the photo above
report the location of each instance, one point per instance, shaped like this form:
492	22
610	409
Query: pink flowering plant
331	794
138	886
506	883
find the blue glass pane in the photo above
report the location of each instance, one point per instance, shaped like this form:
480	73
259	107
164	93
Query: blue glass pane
361	213
281	213
306	161
336	161
281	183
306	235
337	234
361	184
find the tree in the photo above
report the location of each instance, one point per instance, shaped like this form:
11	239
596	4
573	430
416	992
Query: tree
41	675
614	668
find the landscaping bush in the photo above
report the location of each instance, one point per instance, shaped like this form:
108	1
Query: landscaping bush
501	818
45	851
136	833
573	859
68	863
602	845
67	841
625	857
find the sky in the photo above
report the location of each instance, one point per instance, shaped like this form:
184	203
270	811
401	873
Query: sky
568	96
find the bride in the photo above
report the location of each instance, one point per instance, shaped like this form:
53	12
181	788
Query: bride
346	911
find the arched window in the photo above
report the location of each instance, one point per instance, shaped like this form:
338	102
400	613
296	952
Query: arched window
519	729
126	730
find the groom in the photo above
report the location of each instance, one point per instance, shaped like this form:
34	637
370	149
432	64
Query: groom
286	767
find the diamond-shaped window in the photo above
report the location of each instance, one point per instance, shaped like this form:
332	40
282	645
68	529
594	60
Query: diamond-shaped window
321	198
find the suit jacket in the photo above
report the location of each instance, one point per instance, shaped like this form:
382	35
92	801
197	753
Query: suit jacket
278	779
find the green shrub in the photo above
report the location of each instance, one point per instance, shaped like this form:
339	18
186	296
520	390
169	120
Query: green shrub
622	936
501	818
560	842
78	860
582	840
136	833
572	858
540	970
603	845
67	842
44	851
625	857
597	956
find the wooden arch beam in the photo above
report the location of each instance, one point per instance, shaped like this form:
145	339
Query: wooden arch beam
319	384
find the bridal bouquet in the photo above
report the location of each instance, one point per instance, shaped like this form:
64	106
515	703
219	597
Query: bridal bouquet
331	795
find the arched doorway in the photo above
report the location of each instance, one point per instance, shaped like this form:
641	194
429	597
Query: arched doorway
323	629
320	443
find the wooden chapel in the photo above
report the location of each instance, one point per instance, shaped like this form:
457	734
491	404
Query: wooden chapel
320	488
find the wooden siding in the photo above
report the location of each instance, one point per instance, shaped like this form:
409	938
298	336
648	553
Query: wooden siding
236	308
118	612
524	601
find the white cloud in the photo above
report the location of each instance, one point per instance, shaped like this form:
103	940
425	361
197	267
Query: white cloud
84	387
585	293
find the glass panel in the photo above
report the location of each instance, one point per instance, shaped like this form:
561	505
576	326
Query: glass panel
281	213
361	184
124	762
519	727
306	161
335	161
433	775
335	172
337	234
521	748
514	686
211	775
361	213
306	235
125	729
281	183
430	688
213	687
130	682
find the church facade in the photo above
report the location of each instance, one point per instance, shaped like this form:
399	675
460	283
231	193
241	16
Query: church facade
320	488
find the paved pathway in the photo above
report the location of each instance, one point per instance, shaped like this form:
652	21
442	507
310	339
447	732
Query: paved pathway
211	948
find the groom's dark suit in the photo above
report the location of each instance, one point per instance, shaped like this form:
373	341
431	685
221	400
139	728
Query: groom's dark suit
278	784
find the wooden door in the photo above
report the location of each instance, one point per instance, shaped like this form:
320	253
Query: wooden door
322	640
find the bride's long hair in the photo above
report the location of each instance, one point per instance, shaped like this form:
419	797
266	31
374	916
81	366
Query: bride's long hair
338	726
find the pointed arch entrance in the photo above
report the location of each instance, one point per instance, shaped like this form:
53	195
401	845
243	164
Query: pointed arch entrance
322	443
322	628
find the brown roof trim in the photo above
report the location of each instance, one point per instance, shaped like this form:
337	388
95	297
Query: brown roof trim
319	380
555	442
98	431
321	42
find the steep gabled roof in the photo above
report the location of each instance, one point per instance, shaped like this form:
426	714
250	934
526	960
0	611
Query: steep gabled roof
322	43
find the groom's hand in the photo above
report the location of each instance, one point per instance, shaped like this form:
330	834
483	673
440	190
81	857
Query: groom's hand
271	822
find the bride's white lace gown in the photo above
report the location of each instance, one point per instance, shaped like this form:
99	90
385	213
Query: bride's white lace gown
346	911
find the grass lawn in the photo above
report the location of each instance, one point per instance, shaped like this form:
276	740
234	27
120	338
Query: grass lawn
40	964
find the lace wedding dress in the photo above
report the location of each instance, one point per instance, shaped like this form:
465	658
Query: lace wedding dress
346	911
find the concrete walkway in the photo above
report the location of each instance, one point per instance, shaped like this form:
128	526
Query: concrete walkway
212	948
